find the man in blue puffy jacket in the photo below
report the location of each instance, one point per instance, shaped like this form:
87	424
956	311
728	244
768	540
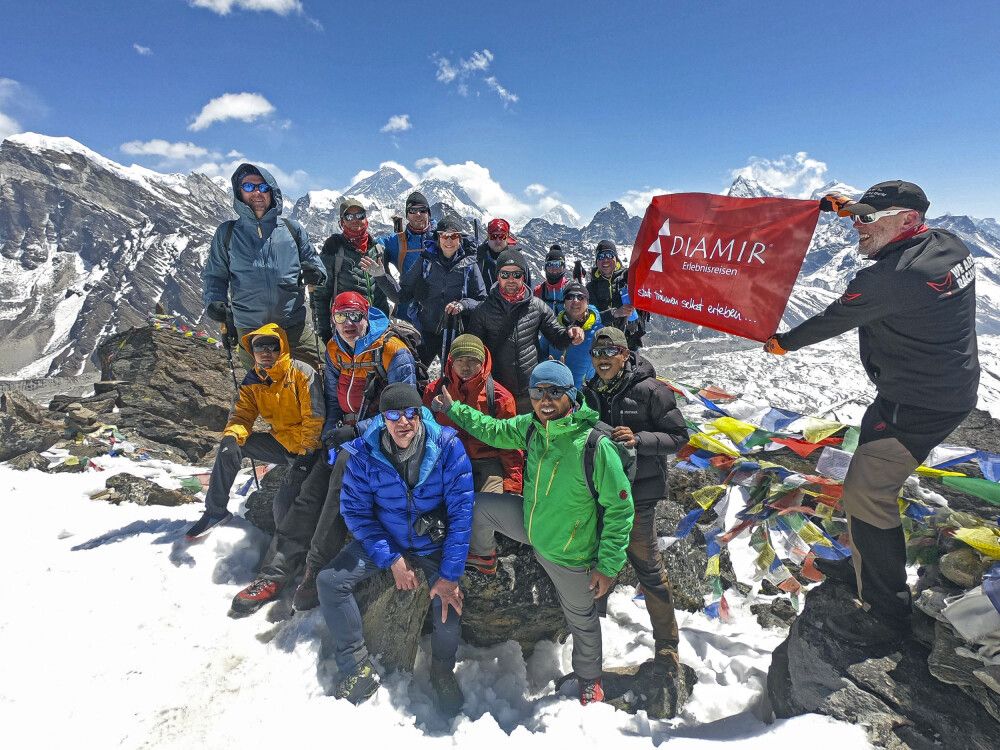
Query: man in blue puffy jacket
407	500
256	263
403	249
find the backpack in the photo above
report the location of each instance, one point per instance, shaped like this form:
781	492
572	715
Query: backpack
412	339
599	430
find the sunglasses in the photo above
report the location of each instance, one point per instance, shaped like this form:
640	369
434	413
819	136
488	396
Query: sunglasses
451	236
512	274
356	216
410	412
575	296
873	217
554	392
498	236
605	352
420	210
555	264
353	316
249	187
606	256
267	346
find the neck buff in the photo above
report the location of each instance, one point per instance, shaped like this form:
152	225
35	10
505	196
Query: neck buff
520	295
358	237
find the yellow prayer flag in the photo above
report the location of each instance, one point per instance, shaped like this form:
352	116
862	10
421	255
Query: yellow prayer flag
983	539
733	429
712	569
703	441
706	496
929	471
811	535
765	558
815	429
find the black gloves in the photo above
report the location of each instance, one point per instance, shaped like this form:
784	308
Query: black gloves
313	277
217	311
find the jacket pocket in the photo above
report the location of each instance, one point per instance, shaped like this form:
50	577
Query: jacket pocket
572	536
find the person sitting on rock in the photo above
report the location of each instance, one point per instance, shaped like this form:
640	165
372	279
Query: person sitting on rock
580	541
407	500
578	312
286	394
509	322
643	412
468	378
362	356
255	263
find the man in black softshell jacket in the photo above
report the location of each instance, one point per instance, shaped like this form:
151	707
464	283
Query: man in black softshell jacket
915	311
643	414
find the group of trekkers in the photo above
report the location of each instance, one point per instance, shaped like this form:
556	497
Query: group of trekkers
545	424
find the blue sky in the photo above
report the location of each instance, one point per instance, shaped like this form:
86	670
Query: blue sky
560	101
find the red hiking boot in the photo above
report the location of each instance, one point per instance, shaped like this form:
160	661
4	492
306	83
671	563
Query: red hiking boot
591	691
255	596
487	565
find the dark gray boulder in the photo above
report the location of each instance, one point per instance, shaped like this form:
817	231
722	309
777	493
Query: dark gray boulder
132	489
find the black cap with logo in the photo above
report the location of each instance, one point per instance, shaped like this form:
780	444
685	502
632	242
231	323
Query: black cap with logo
891	194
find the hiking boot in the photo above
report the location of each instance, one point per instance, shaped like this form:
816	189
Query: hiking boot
862	628
255	596
447	694
359	685
306	596
663	686
487	565
839	571
205	523
591	691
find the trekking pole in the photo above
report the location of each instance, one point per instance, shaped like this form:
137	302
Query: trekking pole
227	329
475	230
319	354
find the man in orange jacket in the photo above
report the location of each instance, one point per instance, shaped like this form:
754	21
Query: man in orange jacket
468	377
286	394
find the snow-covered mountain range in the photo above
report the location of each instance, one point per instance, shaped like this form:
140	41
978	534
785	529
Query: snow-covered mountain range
89	247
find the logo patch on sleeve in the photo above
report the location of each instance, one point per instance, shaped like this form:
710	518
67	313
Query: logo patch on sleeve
623	494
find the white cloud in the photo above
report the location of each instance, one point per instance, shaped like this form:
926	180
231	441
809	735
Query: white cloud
536	188
9	91
478	61
145	51
364	174
446	73
397	124
427	162
637	201
224	7
293	184
246	107
169	151
795	175
508	97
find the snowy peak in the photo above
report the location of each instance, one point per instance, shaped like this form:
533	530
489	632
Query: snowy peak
452	194
382	188
744	187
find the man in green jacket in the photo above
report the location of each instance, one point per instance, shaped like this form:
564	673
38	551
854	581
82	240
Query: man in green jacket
579	541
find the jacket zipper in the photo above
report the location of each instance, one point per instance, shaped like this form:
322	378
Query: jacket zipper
572	536
538	477
409	513
552	479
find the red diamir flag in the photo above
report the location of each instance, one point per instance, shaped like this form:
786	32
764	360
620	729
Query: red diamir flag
723	263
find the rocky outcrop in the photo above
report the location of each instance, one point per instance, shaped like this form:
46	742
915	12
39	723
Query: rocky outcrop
126	488
893	692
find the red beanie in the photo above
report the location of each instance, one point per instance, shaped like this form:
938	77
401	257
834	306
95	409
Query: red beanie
350	301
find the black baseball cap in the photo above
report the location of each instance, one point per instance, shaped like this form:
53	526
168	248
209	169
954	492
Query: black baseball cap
891	194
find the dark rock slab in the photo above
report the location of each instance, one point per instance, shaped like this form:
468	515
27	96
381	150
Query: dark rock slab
29	460
638	688
18	436
132	489
393	620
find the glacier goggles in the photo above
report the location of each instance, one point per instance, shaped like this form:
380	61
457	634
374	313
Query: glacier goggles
553	264
394	415
605	352
512	274
554	392
450	236
249	187
607	255
268	344
349	316
355	216
873	217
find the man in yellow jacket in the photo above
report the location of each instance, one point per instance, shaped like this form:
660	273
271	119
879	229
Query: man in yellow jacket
287	395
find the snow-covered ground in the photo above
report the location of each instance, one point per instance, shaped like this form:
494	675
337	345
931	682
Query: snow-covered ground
114	633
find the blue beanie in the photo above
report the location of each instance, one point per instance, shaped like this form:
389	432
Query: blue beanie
555	373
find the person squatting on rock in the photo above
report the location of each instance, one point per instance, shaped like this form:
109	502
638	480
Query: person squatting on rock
403	249
407	500
509	323
362	357
436	293
577	312
643	414
608	282
579	541
286	394
469	380
255	264
354	262
915	311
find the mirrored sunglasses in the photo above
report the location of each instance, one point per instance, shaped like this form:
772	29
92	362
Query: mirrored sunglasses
451	236
266	346
393	415
497	237
355	216
554	264
575	296
512	274
249	187
552	391
345	316
606	255
418	210
873	217
605	352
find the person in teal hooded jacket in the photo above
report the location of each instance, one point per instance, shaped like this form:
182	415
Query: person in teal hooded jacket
258	263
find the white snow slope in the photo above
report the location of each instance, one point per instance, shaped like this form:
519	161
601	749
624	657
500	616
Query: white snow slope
114	633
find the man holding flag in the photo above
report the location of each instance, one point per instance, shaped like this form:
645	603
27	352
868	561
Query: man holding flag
915	311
